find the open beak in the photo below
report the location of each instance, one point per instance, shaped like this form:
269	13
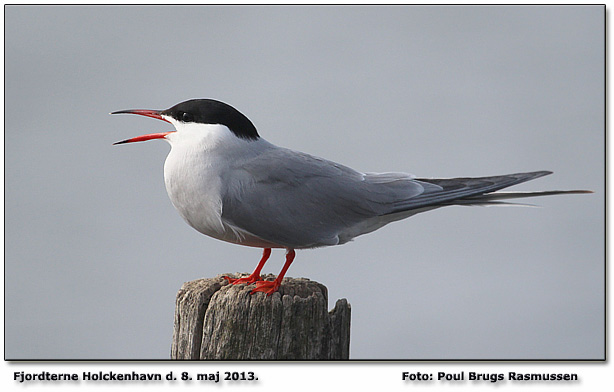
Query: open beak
143	138
147	113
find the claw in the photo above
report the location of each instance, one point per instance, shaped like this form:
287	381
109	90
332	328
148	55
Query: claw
267	287
248	279
255	276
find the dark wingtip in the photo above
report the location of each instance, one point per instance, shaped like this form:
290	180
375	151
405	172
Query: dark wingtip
528	176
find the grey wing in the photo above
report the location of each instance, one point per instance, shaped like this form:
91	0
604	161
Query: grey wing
300	201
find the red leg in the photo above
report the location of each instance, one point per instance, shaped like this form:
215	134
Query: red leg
255	276
268	287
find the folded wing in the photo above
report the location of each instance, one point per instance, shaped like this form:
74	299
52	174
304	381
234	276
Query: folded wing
299	201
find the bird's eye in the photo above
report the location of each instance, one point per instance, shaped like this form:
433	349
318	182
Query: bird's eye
186	117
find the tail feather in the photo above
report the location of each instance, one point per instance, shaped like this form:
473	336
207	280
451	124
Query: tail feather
501	197
473	191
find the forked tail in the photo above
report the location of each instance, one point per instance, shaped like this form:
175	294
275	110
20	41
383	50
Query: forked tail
479	190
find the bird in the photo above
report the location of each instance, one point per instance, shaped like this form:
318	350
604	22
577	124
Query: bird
229	183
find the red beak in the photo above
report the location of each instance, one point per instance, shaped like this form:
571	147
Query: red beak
143	138
147	113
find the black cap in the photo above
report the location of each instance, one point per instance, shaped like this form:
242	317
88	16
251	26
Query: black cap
210	111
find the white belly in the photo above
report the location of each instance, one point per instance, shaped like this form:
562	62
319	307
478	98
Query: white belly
194	186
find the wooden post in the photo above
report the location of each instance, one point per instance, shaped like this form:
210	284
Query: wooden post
217	320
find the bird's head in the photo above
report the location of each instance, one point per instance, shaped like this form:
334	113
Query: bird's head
188	117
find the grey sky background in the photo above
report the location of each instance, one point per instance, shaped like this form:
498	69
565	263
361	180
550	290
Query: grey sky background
95	253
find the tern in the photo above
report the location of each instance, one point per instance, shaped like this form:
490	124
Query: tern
229	183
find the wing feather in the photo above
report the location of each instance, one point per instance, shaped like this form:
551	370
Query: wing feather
297	200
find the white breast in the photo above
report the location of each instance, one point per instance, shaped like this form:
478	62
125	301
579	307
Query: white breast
196	172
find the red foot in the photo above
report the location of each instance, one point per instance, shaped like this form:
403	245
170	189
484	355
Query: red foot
255	276
267	287
248	279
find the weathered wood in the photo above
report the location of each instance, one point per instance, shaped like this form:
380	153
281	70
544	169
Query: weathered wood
216	320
